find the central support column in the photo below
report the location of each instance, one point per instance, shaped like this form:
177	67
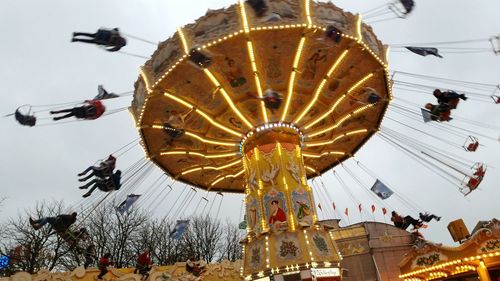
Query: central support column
283	234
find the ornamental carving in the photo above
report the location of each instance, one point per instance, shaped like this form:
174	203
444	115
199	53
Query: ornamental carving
490	246
428	260
226	270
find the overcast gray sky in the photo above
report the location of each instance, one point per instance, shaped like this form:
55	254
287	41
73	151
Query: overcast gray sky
39	65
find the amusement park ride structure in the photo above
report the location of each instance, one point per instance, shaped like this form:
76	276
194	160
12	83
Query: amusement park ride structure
211	80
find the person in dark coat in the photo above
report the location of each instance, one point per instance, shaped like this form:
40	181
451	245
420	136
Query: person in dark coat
90	256
111	39
426	217
405	222
60	223
108	184
450	98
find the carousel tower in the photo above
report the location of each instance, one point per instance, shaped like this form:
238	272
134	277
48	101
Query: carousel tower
257	98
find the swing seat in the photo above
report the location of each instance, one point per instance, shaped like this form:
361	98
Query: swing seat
471	144
496	99
25	119
495	44
480	171
465	191
272	103
402	8
333	33
259	7
472	147
172	132
472	183
199	58
445	116
454	103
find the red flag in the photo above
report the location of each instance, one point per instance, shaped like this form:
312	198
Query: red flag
360	208
346	212
334	207
319	206
373	209
384	211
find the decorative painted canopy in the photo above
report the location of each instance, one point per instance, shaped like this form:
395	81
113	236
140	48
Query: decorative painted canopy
211	78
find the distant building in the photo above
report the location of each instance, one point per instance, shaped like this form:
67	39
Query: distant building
371	250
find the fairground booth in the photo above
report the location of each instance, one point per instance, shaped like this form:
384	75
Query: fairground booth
477	257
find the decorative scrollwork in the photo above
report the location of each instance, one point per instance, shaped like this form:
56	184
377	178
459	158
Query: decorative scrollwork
78	272
22	276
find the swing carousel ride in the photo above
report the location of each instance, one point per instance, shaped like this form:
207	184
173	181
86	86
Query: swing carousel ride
258	98
263	97
334	93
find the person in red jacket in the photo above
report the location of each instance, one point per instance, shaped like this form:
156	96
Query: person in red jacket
143	264
90	110
104	262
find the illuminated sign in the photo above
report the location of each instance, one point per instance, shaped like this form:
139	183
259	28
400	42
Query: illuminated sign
4	261
325	272
263	279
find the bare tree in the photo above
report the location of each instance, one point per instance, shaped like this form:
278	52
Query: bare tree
124	236
231	248
202	238
115	233
155	236
30	249
2	200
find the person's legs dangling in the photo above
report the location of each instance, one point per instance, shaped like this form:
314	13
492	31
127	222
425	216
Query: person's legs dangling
90	191
61	111
64	116
91	35
85	171
85	186
102	273
89	175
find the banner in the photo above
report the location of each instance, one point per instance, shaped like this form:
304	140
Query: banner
179	229
381	190
425	51
125	205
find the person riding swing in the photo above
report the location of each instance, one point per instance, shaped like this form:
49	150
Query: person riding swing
405	222
111	39
105	169
59	224
108	184
451	98
174	126
90	110
143	265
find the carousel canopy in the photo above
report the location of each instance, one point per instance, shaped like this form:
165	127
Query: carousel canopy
328	68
